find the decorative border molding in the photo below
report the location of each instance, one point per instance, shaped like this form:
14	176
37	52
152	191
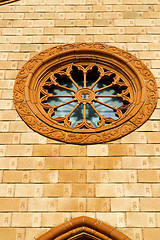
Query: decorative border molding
2	2
142	83
83	226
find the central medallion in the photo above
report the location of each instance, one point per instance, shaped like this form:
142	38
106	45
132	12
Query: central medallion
85	95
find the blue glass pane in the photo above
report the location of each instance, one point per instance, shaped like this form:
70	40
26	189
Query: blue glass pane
77	116
92	76
105	111
91	115
77	76
64	110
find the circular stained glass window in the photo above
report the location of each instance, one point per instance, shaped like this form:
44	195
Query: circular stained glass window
85	93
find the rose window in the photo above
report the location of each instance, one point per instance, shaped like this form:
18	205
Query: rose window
85	93
85	97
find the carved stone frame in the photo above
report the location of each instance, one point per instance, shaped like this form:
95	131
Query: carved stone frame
83	228
142	83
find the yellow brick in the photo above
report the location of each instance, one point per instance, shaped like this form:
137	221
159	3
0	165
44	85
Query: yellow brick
28	190
6	104
151	233
72	204
83	190
30	138
54	219
62	8
3	150
8	115
58	163
135	137
72	176
5	219
109	190
19	126
124	22
10	234
84	23
150	204
45	150
31	233
83	162
5	163
135	162
44	176
97	150
134	190
153	137
107	162
72	150
84	38
114	219
137	46
147	149
19	150
31	162
121	149
148	176
125	204
100	22
132	15
156	190
96	176
7	94
26	220
141	220
12	176
122	176
57	190
154	162
65	23
9	204
145	22
98	204
43	204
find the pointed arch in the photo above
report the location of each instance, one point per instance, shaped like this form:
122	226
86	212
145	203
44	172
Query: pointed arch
83	228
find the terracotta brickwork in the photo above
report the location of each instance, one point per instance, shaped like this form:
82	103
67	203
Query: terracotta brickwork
45	182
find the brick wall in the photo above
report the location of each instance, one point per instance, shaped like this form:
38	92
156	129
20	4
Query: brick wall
44	182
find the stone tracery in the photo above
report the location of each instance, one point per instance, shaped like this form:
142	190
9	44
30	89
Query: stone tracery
84	95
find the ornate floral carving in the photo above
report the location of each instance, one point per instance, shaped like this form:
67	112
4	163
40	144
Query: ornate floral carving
151	89
71	68
143	114
28	68
18	92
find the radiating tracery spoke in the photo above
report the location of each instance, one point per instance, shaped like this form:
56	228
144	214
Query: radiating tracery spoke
103	88
58	85
66	96
72	110
83	83
62	104
114	108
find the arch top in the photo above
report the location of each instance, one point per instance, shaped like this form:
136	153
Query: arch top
83	228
